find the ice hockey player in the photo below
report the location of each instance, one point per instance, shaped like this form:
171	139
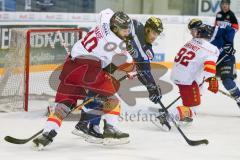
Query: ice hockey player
85	70
223	38
140	47
194	64
226	17
226	69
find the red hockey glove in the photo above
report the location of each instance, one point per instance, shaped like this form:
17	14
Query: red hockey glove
213	84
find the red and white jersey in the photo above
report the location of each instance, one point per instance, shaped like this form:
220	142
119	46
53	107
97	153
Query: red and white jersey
196	61
100	42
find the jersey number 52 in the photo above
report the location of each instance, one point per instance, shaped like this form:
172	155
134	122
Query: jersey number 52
184	56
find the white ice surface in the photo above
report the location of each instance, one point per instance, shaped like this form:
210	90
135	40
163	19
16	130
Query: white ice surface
218	121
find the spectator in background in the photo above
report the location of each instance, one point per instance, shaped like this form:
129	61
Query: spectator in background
226	16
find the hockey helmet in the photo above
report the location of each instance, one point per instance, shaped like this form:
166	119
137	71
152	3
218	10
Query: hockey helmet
155	24
194	23
205	31
120	20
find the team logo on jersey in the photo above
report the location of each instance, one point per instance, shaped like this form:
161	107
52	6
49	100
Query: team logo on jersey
106	28
149	54
219	15
228	17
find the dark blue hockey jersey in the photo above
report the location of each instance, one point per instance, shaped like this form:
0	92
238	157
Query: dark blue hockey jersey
143	54
222	36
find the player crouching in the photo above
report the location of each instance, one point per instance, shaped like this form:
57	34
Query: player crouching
193	65
84	73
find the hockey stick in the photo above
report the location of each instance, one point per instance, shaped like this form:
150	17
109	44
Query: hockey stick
13	140
23	141
226	94
162	110
190	142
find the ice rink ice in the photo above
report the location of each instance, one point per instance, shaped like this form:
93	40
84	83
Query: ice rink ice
218	121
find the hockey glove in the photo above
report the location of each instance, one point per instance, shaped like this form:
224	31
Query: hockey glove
213	84
155	94
129	46
228	49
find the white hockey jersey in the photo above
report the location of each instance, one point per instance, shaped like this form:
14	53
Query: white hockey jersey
100	42
196	61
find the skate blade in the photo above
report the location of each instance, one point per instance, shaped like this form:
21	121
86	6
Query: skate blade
160	126
114	141
94	140
79	133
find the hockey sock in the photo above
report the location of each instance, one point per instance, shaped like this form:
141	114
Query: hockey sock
181	112
55	118
111	109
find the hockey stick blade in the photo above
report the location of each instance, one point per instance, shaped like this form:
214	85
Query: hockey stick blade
197	142
192	142
21	141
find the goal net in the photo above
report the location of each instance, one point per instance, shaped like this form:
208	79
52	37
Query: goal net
30	69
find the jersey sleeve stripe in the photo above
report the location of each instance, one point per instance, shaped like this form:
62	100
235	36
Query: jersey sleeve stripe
210	63
210	70
210	66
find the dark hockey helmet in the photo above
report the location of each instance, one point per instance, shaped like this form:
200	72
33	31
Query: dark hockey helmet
120	20
226	1
205	31
155	24
194	23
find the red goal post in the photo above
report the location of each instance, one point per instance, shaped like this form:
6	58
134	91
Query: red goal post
33	58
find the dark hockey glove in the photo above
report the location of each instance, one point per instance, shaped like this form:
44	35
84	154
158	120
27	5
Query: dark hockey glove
129	46
155	94
228	49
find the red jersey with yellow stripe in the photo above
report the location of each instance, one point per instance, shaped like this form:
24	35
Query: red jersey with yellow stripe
195	61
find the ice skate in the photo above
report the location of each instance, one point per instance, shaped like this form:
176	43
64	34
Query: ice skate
94	135
81	129
113	136
162	122
44	140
